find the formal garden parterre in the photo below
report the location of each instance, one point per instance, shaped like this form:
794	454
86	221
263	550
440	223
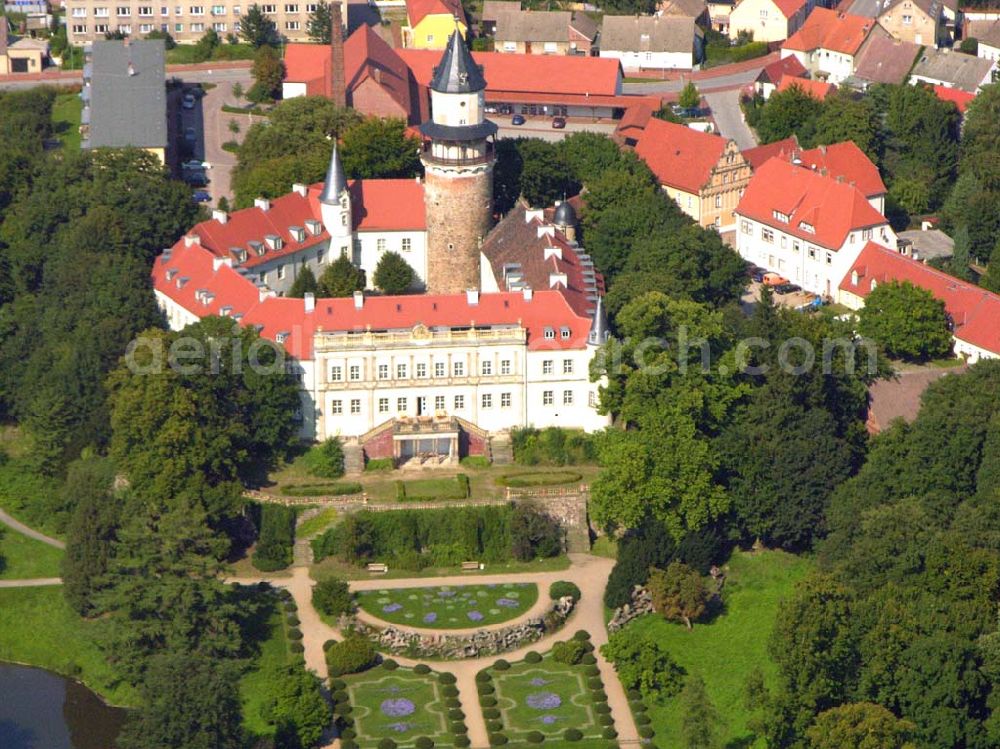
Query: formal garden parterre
450	607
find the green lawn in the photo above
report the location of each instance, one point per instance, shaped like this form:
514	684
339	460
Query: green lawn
331	566
724	651
605	547
23	493
316	524
400	705
450	607
255	684
66	120
548	697
187	53
38	628
22	557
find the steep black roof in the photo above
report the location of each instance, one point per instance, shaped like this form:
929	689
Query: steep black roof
457	73
565	215
335	182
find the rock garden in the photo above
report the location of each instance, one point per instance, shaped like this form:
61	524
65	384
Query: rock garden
450	607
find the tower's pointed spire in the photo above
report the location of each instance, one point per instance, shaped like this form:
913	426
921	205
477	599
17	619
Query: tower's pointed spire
598	334
457	73
336	182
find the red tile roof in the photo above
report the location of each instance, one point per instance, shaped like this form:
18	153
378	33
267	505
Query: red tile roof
974	311
211	287
679	156
530	74
789	8
774	72
309	64
832	30
816	89
831	207
960	98
368	56
782	148
848	161
418	10
377	205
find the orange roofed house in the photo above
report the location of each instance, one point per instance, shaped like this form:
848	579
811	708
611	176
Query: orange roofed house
806	225
768	20
429	23
829	41
706	174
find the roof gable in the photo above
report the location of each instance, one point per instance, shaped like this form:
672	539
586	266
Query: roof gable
418	10
680	156
831	30
648	33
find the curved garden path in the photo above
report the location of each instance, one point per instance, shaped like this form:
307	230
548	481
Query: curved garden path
590	574
21	528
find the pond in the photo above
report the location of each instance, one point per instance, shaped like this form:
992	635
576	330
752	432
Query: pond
41	710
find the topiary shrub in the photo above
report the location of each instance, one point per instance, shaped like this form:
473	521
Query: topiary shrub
562	589
602	708
483	677
581	634
501	665
594	682
645	732
461	742
389	664
493	726
348	734
332	597
488	701
423	742
637	707
491	713
641	719
605	719
387	744
497	739
449	690
459	728
535	737
328	644
339	697
292	620
591	670
294	633
423	668
343	709
446	678
336	685
588	660
633	694
607	733
350	656
296	647
599	695
453	702
532	657
455	714
569	652
572	734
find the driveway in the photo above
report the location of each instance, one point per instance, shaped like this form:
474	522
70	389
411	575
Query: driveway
541	128
728	116
704	82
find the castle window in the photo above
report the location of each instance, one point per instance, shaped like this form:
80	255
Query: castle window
567	366
281	272
355	372
505	367
718	201
548	397
380	244
383	405
487	400
459	369
564	333
400	371
400	405
421	370
407	244
355	405
439	369
592	399
337	407
487	368
567	397
336	374
383	371
547	366
439	403
504	400
459	402
550	333
343	219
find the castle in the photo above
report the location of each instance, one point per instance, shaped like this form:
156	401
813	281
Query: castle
501	335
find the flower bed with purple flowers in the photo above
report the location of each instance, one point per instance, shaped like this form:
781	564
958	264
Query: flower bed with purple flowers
400	705
546	696
450	607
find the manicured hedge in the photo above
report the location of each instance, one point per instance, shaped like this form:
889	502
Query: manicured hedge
430	490
532	656
277	536
332	596
475	461
449	690
572	734
379	464
535	737
327	489
350	656
423	668
552	446
562	588
538	478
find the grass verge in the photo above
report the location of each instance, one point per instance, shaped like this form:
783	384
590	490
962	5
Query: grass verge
316	524
725	651
66	112
256	683
38	628
23	558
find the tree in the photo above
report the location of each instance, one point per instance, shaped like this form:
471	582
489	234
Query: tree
678	593
700	720
92	533
268	73
304	283
188	702
907	321
341	278
319	24
969	46
789	112
689	97
843	118
237	91
643	663
534	535
545	176
379	148
205	47
393	275
860	725
168	41
332	596
326	459
256	28
991	278
297	703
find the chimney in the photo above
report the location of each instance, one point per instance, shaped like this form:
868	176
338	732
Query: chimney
218	262
299	189
220	216
338	86
472	297
4	30
309	299
191	239
263	203
822	150
359	296
527	293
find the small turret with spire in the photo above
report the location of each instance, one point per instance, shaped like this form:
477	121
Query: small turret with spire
598	334
335	200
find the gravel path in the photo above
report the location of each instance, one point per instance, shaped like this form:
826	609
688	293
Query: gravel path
590	573
29	532
34	582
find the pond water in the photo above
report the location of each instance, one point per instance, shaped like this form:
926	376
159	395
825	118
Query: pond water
41	710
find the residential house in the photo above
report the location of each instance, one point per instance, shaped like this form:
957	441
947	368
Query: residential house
491	12
961	99
696	9
429	23
539	32
768	20
757	156
987	33
816	89
974	312
125	97
705	174
926	243
718	14
807	226
770	76
23	55
653	42
883	59
829	41
918	21
954	70
634	121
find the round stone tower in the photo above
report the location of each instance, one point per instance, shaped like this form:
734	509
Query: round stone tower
458	171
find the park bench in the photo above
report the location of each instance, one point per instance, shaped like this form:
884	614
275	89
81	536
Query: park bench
378	568
471	566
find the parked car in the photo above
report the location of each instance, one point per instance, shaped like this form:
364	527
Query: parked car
200	196
786	288
559	123
196	179
680	111
194	164
188	101
757	275
190	135
773	279
517	119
